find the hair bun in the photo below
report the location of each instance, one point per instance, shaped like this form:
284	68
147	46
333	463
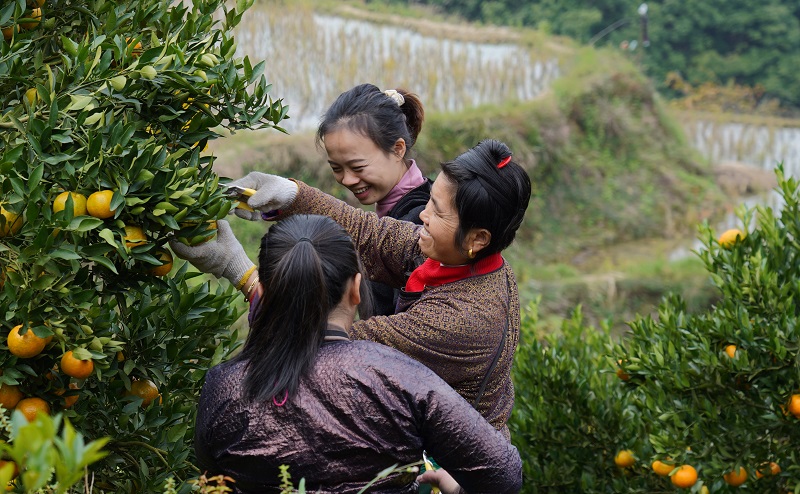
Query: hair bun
397	97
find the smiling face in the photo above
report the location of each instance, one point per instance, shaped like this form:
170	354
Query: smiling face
361	166
440	221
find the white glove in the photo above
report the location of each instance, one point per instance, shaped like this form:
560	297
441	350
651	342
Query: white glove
223	256
272	193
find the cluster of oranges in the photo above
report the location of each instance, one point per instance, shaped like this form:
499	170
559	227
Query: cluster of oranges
31	20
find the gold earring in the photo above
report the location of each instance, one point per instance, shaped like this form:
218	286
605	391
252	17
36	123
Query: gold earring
470	254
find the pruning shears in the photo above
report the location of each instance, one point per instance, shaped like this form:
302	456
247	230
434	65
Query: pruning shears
236	192
429	466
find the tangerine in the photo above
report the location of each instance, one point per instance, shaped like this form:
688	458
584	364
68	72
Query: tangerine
768	469
731	350
625	459
9	395
684	477
166	263
730	237
661	468
736	478
794	405
75	367
134	235
30	407
78	203
68	400
99	204
35	18
146	390
11	224
27	345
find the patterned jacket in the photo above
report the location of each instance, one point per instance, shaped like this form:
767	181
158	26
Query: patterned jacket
455	329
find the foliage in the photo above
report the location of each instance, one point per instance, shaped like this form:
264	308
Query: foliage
711	41
101	96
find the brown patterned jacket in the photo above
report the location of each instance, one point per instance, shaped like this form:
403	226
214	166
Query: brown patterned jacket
454	329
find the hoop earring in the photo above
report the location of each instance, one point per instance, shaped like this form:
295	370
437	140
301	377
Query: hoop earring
470	254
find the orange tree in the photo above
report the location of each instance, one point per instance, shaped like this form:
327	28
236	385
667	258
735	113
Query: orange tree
716	389
119	98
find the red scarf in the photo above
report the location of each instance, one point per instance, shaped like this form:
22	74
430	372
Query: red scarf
433	273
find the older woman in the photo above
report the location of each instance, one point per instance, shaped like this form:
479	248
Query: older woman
459	308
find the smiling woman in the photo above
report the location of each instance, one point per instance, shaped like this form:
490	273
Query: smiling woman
458	312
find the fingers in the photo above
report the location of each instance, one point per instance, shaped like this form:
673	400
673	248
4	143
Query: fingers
185	251
247	215
263	199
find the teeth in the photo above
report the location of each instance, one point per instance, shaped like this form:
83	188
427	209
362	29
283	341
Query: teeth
424	232
359	191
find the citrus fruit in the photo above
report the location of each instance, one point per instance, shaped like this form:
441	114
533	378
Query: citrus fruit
8	31
26	345
166	259
15	471
9	396
146	390
35	16
31	406
622	374
12	223
661	468
134	235
99	204
685	476
730	237
77	368
736	478
768	469
78	201
31	96
794	405
199	239
731	350
703	490
68	400
35	4
624	459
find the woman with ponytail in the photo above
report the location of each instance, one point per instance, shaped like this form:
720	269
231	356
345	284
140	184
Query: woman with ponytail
336	411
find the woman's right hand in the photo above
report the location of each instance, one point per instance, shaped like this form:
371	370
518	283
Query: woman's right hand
442	480
272	193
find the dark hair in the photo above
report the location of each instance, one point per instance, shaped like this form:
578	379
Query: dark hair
368	111
487	196
305	263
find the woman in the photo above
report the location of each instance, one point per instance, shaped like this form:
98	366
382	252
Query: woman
336	411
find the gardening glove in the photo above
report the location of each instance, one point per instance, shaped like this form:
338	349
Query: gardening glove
272	193
223	256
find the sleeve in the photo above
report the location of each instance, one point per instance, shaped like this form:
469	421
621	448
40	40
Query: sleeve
462	442
388	247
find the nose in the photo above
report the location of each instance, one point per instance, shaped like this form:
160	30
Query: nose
349	178
423	215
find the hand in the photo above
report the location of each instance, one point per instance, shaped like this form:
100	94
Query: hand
223	256
442	480
272	193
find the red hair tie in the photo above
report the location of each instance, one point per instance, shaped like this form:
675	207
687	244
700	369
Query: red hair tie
504	162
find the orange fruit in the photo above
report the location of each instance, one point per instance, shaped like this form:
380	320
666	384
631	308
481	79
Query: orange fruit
25	346
737	478
146	390
12	223
661	468
768	469
75	367
166	259
137	49
35	4
36	18
78	203
68	400
31	406
8	31
9	396
624	459
684	477
15	472
134	235
794	405
120	357
730	237
99	204
731	350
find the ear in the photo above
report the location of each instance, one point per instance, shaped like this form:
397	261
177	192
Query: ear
354	293
400	148
477	239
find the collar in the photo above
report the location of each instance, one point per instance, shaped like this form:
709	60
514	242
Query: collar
433	273
334	333
411	180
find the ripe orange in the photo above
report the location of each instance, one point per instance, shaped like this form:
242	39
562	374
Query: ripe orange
36	18
35	4
134	235
68	400
731	350
99	204
77	368
684	477
11	224
794	405
9	396
624	458
166	258
146	390
737	478
78	203
25	346
661	468
8	31
31	406
730	237
768	469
